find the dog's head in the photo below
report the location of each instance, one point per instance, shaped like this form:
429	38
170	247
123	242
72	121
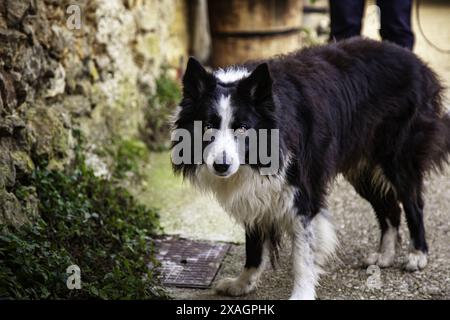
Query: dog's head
219	115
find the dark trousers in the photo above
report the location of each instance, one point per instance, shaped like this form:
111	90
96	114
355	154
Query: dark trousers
346	20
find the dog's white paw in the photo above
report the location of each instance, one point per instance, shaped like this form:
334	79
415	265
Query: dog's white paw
385	255
234	286
417	260
381	259
303	296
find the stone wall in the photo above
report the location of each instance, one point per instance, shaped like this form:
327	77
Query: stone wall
97	79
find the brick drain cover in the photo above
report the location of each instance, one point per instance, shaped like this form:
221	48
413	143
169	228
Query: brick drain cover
187	263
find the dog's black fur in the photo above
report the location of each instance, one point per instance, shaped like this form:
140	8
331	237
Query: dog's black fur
362	100
352	107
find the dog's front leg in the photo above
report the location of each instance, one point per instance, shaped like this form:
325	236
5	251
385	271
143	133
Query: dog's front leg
254	265
305	274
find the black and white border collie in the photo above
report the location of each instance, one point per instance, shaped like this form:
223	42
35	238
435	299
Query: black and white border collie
369	110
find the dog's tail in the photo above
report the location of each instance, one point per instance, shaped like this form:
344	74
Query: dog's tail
446	121
442	151
446	124
438	147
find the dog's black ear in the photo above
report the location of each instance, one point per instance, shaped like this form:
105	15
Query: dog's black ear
258	85
196	80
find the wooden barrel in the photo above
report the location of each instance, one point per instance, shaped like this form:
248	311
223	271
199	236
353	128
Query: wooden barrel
253	29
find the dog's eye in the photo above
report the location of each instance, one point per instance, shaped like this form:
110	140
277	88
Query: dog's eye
207	127
241	129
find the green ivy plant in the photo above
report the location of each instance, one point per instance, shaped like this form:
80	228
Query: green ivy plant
161	105
86	221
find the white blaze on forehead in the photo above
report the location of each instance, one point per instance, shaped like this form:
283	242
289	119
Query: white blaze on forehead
224	142
231	74
225	112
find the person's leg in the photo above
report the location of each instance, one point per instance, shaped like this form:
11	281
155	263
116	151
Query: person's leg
346	17
396	22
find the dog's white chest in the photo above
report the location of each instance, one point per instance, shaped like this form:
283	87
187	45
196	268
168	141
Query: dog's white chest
251	198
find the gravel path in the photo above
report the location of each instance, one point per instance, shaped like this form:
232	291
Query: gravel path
358	234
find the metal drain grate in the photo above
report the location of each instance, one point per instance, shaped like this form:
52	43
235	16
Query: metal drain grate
187	263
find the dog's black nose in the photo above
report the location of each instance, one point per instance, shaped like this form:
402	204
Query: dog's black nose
221	167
